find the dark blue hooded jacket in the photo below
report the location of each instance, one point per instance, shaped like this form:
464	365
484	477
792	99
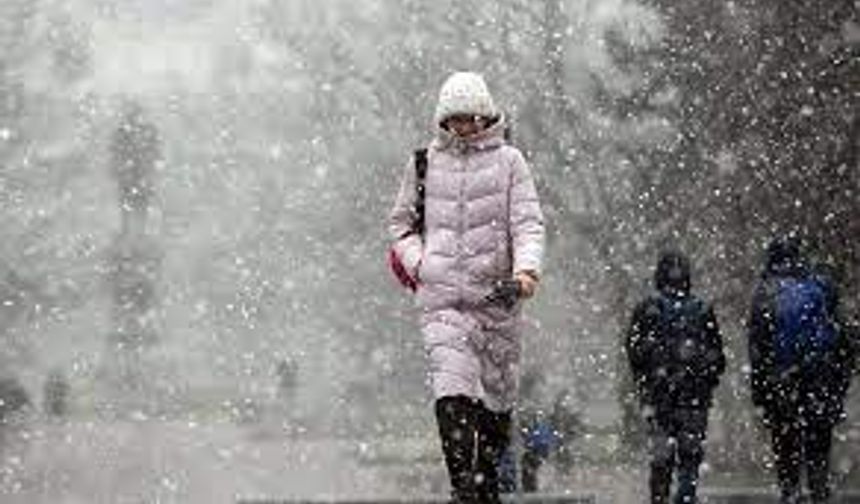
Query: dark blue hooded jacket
822	388
674	345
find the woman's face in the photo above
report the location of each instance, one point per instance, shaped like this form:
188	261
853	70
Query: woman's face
465	124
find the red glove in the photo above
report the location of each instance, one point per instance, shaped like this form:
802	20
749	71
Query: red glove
400	272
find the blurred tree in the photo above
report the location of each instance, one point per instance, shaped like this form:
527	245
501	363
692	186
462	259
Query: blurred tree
763	98
38	157
18	292
135	259
55	394
767	120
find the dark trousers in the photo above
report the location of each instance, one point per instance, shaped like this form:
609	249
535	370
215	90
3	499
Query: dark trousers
531	467
677	437
473	440
800	443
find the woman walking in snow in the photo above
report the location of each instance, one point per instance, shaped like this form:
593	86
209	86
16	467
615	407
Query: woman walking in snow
468	239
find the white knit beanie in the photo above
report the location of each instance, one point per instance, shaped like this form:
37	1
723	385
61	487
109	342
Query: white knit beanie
464	93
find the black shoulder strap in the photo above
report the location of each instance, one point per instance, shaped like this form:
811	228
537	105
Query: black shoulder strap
420	176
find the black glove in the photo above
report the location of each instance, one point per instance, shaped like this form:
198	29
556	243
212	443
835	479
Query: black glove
505	293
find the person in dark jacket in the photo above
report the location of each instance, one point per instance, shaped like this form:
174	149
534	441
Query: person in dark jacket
543	434
13	398
801	361
676	355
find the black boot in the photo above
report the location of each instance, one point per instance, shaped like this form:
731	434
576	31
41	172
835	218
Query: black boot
788	453
662	459
494	435
660	481
818	440
457	420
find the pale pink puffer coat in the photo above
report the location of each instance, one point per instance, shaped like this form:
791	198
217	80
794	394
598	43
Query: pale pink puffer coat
483	223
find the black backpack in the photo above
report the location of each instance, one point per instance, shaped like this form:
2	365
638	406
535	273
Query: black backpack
682	326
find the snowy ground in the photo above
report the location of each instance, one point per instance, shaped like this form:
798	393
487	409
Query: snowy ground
165	462
156	462
93	462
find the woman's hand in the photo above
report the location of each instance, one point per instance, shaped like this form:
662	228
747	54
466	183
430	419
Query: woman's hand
528	283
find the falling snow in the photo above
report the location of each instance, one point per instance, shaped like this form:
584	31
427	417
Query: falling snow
194	299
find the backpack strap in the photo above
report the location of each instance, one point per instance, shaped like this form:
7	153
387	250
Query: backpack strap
420	176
